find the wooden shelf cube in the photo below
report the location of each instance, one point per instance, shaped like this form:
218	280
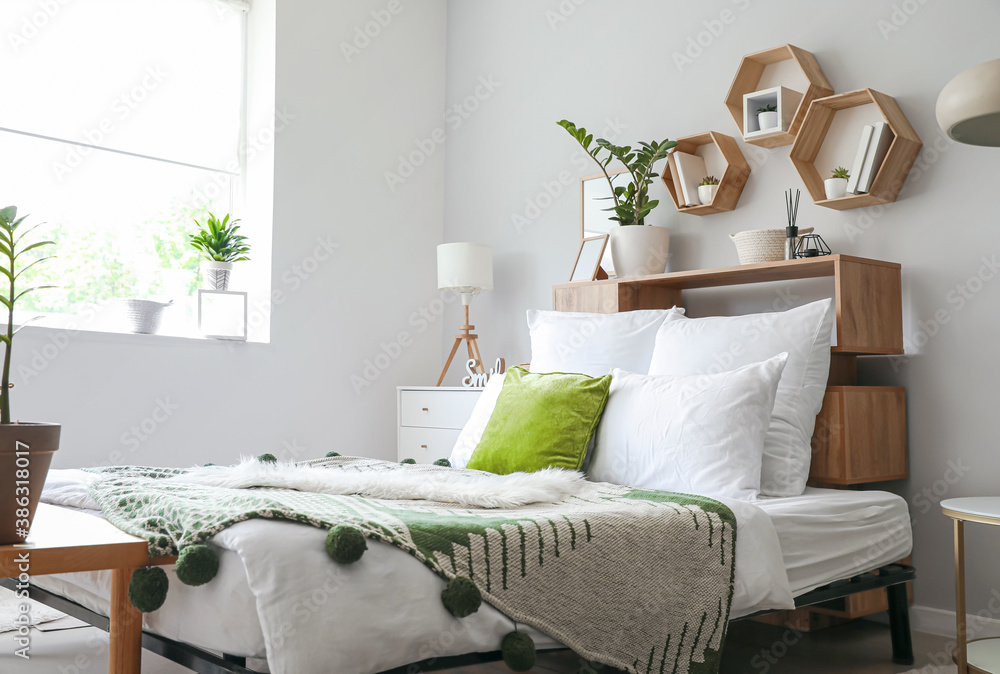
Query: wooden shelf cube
747	81
843	116
860	436
722	158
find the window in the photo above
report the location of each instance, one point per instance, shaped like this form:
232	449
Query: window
122	123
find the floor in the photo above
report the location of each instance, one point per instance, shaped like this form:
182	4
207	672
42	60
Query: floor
859	648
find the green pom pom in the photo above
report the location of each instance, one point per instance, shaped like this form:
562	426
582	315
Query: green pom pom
443	462
408	461
330	455
197	564
461	597
209	464
518	651
148	588
345	545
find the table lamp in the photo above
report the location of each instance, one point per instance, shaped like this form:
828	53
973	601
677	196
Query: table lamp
968	108
467	268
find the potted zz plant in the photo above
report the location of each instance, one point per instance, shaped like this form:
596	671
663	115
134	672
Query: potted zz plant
836	184
767	117
221	244
636	249
707	188
26	448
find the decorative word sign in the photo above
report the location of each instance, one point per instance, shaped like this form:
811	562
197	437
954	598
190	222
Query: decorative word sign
476	380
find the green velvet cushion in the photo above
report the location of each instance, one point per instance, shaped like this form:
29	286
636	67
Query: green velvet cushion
541	421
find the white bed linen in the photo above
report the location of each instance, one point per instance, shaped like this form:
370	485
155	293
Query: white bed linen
277	589
831	534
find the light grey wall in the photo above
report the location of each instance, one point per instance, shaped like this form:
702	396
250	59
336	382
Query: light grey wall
163	401
597	60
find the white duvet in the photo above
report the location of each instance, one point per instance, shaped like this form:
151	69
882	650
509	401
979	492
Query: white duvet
277	595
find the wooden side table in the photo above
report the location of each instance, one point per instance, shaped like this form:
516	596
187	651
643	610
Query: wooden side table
981	656
66	541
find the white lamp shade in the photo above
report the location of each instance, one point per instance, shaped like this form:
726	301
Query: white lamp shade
466	267
968	108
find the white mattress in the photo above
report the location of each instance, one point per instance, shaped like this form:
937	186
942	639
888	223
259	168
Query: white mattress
832	534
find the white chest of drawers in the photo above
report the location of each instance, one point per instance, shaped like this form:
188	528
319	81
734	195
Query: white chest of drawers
430	419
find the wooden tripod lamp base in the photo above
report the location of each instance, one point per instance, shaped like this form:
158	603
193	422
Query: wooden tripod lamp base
471	344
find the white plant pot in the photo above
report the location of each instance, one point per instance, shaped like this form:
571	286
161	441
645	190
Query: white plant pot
767	120
216	274
835	187
639	250
707	193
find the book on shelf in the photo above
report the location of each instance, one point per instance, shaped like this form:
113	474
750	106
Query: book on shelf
859	159
672	165
878	147
690	171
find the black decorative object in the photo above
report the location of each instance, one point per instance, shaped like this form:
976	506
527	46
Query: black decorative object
791	230
812	245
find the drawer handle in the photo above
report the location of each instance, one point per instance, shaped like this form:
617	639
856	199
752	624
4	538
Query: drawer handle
424	409
423	446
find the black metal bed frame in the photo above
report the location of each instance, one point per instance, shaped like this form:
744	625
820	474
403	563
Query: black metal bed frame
892	577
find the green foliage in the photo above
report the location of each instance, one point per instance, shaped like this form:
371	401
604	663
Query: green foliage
709	180
632	202
12	267
841	172
220	240
768	108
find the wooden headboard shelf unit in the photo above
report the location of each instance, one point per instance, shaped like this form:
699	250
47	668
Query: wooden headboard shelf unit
860	433
868	294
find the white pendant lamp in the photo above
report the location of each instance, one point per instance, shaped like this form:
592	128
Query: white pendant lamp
968	108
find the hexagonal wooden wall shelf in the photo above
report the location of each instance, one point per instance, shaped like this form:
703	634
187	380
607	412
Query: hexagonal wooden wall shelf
747	81
735	171
829	136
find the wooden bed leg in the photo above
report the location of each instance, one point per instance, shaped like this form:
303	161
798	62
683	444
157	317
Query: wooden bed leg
126	627
899	624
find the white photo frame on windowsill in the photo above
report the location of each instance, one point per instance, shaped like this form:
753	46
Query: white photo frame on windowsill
222	314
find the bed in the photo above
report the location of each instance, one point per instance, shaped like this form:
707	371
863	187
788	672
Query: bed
275	586
784	553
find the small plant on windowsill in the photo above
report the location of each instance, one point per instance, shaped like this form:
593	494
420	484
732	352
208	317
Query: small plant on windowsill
836	184
221	244
707	188
26	448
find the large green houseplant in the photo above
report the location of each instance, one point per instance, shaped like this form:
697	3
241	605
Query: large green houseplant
26	448
635	250
220	244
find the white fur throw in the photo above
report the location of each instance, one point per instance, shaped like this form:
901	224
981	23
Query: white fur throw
426	483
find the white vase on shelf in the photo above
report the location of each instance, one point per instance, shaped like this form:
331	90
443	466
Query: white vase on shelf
835	187
767	120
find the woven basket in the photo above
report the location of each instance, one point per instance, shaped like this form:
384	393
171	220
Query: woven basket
762	245
142	316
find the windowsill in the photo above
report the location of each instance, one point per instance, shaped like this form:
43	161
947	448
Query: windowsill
176	332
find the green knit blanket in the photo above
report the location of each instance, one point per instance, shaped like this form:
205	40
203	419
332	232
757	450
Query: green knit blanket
638	580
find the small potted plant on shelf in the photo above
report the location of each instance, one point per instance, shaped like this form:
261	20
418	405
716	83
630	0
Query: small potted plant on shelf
767	117
222	245
636	249
707	188
836	184
26	448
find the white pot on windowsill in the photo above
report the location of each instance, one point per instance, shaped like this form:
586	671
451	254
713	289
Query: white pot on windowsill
216	274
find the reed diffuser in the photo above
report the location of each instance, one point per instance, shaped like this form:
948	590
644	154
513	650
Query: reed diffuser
792	229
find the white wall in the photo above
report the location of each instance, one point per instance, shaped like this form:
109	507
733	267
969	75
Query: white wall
597	60
209	401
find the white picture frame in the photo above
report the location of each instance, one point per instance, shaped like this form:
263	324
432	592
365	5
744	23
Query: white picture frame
222	314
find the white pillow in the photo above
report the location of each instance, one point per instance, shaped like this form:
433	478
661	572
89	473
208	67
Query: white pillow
702	434
689	346
594	344
472	432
